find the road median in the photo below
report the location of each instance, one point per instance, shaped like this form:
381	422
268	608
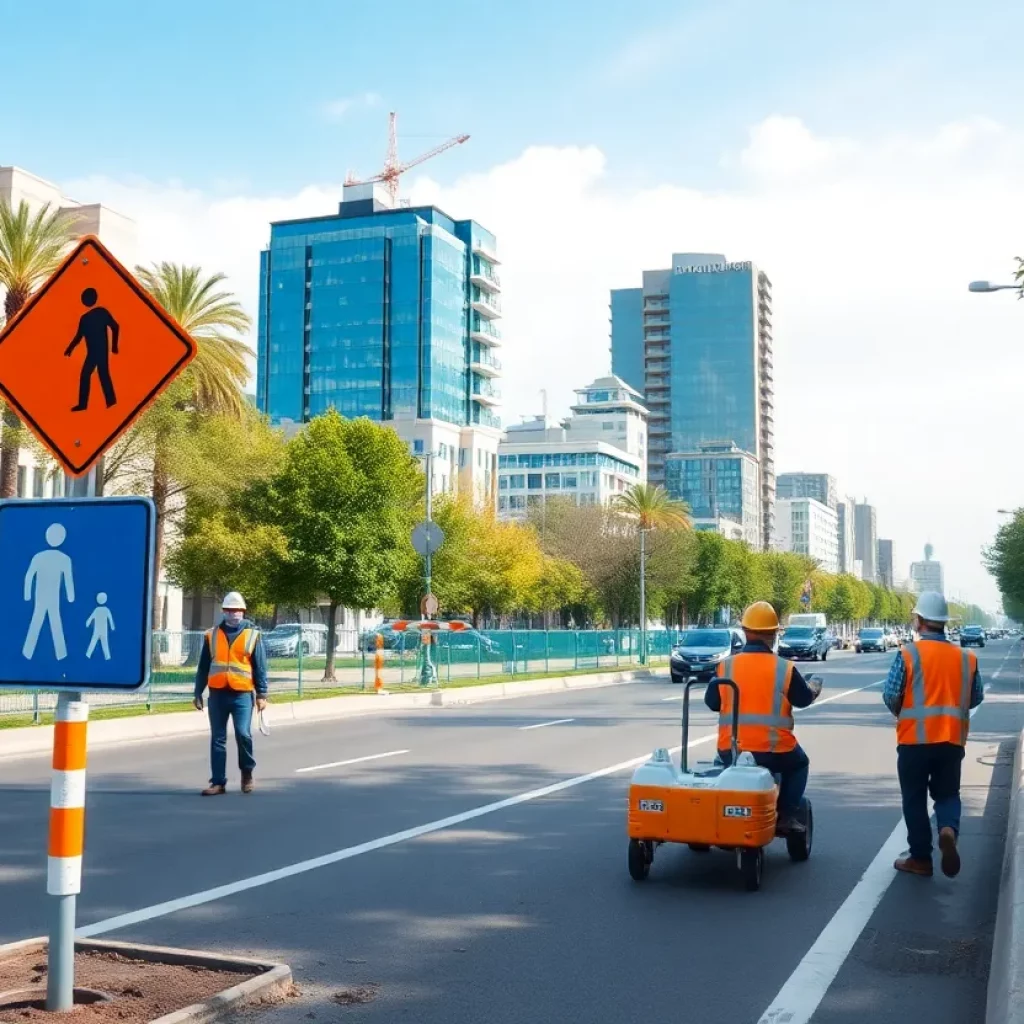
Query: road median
1005	1003
33	740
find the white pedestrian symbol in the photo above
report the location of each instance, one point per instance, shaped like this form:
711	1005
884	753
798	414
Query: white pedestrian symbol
48	571
101	620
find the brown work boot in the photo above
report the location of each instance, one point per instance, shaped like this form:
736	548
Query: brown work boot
913	866
950	854
790	827
215	790
247	783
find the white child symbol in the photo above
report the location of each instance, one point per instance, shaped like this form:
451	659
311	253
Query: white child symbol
101	620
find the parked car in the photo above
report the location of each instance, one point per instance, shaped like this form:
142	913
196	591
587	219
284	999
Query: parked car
811	642
700	652
409	640
290	639
972	636
871	638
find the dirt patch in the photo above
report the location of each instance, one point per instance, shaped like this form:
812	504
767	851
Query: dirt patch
139	991
356	994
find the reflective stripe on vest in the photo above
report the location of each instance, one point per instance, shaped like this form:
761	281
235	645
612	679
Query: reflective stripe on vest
777	722
231	663
928	714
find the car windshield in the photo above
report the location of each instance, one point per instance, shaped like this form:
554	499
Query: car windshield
870	634
798	633
282	631
705	638
973	630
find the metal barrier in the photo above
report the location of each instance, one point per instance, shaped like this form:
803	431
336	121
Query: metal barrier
297	663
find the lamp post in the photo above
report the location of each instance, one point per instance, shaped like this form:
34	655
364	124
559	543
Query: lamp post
643	594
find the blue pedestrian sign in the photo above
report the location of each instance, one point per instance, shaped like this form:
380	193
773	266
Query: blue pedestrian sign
76	589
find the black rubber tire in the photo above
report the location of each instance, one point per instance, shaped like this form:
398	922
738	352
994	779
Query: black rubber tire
752	867
639	861
699	847
824	656
816	656
799	846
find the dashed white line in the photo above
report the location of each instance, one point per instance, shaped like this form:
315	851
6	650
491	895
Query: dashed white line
351	760
544	725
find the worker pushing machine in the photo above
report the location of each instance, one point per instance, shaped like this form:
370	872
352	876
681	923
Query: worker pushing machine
769	688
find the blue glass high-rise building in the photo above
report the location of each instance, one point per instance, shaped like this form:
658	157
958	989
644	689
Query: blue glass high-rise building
696	341
386	312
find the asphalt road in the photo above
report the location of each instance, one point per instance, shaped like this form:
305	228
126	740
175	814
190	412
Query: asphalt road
475	868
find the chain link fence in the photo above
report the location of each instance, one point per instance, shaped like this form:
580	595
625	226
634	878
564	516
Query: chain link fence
297	663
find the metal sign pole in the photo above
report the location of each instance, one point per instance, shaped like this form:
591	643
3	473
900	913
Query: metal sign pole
67	821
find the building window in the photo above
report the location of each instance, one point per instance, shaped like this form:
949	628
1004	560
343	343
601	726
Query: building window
417	447
517	501
503	482
569	480
22	482
552	481
38	482
534	481
503	504
462	458
517	481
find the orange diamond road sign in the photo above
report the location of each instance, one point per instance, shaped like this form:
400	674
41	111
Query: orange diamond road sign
88	353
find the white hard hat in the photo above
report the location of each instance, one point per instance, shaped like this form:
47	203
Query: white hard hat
233	602
931	606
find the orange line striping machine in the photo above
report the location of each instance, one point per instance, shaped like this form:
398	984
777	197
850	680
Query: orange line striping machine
708	805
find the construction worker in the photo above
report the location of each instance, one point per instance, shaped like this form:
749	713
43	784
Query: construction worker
931	689
233	664
770	687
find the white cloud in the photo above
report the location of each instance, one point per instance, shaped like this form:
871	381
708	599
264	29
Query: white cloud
889	373
335	110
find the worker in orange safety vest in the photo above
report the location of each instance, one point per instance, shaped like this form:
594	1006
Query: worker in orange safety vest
770	687
931	688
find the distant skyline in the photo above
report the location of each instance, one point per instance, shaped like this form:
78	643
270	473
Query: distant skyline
868	158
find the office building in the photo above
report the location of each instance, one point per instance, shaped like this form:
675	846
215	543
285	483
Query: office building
391	313
808	527
721	484
819	486
927	575
696	340
848	562
590	457
865	530
886	565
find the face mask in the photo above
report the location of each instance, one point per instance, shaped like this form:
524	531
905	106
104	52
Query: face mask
233	618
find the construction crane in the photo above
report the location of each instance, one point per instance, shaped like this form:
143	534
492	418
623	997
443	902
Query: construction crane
393	170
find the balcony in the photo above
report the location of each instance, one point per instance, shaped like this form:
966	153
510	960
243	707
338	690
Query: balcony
484	333
485	364
486	304
479	249
486	393
483	277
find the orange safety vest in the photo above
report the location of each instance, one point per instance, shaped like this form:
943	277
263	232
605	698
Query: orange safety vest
231	663
937	695
766	715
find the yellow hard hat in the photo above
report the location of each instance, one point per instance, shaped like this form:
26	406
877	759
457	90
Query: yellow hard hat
760	617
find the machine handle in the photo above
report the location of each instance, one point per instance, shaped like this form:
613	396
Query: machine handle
734	741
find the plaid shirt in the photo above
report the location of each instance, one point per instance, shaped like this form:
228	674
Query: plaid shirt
895	684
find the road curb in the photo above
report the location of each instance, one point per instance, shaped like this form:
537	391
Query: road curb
273	981
1005	1002
38	739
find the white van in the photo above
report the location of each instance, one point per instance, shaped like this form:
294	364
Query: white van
816	620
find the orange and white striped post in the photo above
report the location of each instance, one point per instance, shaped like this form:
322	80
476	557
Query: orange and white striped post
66	845
378	664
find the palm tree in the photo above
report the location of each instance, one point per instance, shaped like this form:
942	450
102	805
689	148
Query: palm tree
212	383
32	246
650	506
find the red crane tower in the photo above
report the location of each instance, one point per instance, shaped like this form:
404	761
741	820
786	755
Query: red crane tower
393	170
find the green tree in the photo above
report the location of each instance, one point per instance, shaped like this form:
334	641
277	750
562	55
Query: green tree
841	606
652	508
345	500
784	576
32	246
1004	559
708	588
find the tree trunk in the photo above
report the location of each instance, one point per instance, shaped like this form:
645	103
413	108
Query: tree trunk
332	618
273	620
10	449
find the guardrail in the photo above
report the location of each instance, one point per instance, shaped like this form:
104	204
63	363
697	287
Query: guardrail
297	664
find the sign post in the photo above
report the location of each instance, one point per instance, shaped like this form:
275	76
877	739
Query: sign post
85	357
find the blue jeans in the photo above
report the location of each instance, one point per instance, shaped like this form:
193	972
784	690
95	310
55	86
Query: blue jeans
236	705
925	768
792	767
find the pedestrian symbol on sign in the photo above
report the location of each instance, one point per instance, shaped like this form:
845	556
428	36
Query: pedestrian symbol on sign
100	332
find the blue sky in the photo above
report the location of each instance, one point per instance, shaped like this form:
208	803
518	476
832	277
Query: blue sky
229	94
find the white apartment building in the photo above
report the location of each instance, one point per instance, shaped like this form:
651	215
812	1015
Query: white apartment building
808	527
927	575
590	457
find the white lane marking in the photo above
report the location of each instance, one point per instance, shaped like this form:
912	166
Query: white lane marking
351	760
824	700
800	996
255	881
544	725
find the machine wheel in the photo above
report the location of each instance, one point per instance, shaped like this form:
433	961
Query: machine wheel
699	847
639	860
799	846
824	655
751	867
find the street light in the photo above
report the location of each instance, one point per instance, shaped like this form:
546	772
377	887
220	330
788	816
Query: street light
988	286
